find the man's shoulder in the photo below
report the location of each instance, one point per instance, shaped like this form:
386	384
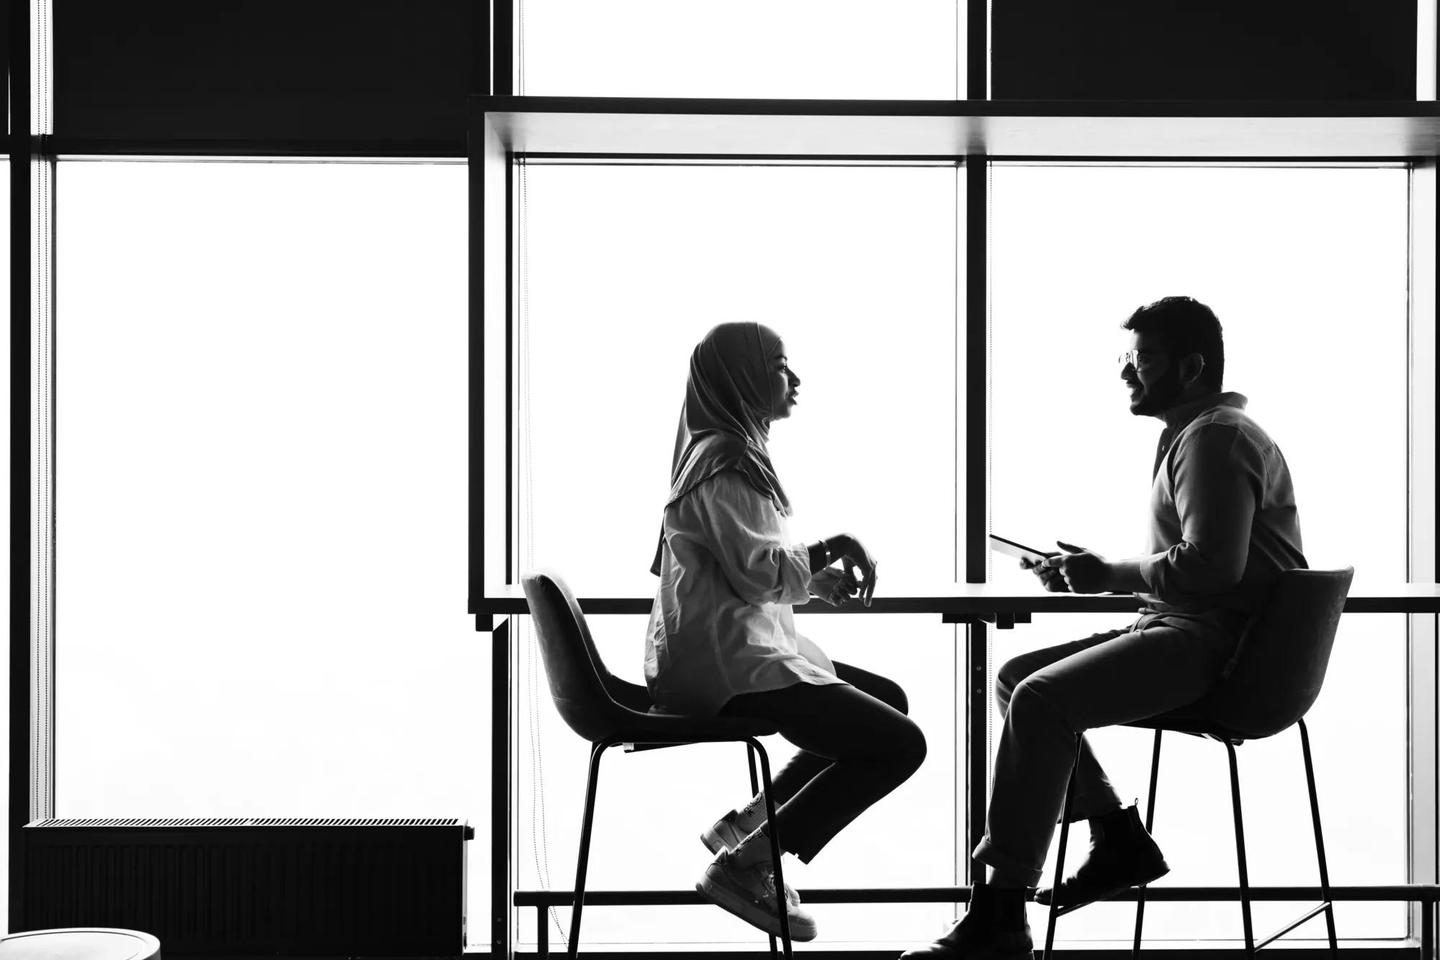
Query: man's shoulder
1232	425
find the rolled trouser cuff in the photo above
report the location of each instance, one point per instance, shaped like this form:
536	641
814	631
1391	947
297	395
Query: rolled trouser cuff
990	855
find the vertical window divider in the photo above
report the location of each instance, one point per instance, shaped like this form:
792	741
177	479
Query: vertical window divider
1422	664
20	450
977	647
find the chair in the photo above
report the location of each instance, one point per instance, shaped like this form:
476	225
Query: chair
607	711
1268	685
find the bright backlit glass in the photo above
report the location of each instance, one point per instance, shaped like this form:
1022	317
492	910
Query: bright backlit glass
1307	271
622	270
261	408
822	49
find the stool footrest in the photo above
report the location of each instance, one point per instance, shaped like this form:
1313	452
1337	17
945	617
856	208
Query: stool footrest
1308	915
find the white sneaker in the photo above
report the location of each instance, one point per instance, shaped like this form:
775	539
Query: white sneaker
735	826
749	893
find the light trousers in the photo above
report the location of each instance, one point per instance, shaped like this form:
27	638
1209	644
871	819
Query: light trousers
1046	697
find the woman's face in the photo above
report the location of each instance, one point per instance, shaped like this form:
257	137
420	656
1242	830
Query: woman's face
782	382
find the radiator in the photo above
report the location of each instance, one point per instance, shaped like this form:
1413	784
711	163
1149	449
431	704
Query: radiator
236	887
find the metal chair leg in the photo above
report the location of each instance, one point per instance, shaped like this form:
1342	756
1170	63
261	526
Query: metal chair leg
754	789
1319	840
775	851
587	821
1240	851
1060	854
1149	824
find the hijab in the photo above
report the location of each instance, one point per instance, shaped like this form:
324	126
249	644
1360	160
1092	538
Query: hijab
725	423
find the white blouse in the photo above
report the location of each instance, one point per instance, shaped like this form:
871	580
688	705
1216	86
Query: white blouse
722	622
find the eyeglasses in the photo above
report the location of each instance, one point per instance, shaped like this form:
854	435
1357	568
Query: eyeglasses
1131	358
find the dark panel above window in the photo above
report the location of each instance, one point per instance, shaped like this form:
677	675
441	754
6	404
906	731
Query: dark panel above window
1203	49
304	72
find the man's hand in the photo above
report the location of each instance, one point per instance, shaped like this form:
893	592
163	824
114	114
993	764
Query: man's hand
1048	576
1083	571
833	586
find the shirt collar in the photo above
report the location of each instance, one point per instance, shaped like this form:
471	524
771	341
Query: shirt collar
1178	417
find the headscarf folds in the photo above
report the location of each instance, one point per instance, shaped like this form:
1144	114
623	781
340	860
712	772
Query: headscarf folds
725	423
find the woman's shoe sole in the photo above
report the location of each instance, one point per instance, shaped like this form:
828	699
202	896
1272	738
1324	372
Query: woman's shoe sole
741	907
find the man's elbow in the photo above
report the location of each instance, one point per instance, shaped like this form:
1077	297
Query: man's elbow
1194	573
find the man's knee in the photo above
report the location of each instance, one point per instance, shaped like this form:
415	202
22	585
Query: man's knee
1011	675
1034	697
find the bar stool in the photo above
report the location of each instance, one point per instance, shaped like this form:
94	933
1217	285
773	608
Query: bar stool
607	711
1268	685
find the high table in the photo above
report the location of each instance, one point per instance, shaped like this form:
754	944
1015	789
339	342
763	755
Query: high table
977	606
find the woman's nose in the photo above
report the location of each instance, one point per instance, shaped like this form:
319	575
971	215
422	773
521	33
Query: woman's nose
794	380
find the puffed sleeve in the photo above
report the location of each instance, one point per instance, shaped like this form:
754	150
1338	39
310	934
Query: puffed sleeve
742	528
1218	476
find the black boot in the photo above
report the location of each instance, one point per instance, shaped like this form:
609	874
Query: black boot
994	928
1122	856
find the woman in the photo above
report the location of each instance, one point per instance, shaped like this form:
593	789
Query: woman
722	638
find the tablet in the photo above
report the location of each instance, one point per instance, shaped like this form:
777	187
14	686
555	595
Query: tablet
1017	550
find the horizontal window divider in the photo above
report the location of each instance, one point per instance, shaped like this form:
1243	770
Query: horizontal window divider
1400	892
983	602
1160	109
62	146
1115	131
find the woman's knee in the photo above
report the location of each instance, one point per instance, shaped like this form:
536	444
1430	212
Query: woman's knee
910	747
889	692
884	689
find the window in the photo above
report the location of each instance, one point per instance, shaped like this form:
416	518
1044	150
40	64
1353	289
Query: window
623	270
822	49
1312	298
261	410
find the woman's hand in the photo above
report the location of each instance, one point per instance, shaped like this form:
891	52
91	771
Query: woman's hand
833	586
854	557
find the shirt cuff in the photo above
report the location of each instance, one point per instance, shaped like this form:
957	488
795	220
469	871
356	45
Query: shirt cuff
795	575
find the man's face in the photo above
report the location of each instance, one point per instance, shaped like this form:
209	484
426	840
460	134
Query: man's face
1151	374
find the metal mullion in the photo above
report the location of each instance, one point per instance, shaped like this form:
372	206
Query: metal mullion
1423	740
20	459
258	148
501	881
977	652
502	49
977	50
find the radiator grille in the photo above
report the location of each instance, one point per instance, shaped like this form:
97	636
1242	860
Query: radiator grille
235	886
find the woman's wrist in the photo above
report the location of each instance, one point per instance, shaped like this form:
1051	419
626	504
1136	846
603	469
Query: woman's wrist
819	556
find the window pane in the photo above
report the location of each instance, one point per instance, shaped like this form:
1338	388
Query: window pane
822	49
651	806
623	269
262	413
1307	270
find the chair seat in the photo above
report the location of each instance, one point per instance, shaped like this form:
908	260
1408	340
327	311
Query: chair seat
673	728
1193	722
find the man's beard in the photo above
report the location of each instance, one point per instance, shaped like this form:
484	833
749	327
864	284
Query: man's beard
1160	396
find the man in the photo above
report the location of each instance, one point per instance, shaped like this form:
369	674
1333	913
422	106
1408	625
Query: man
1223	524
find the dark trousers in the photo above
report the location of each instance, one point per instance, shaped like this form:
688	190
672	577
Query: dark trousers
1048	696
856	745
